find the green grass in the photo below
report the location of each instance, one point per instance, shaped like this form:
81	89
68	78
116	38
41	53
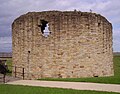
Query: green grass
116	61
108	80
15	89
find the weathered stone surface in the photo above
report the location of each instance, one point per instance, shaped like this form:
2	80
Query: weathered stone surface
79	45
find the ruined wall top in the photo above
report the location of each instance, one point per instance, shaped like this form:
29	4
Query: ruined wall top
62	13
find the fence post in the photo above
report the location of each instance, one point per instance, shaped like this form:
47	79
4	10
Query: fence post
23	73
4	78
15	71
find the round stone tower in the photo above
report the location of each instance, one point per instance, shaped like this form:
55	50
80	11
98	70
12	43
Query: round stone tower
56	44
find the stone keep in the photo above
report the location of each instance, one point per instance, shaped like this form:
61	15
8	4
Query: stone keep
78	44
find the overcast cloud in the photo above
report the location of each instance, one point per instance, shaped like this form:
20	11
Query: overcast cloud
11	9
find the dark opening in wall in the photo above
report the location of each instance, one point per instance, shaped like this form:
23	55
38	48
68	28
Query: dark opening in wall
95	76
81	66
43	25
98	24
44	28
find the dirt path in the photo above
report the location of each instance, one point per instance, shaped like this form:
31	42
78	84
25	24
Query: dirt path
69	85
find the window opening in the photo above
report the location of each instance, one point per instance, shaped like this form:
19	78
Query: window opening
44	28
46	31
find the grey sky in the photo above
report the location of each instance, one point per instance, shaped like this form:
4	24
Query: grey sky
11	9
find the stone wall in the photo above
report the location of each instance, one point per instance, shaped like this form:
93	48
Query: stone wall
79	45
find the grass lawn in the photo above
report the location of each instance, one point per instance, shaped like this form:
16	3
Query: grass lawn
14	89
108	80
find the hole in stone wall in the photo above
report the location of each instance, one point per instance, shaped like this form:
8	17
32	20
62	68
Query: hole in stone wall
81	66
98	24
95	76
46	31
44	28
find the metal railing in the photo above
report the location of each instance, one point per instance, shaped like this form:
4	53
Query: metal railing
22	71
